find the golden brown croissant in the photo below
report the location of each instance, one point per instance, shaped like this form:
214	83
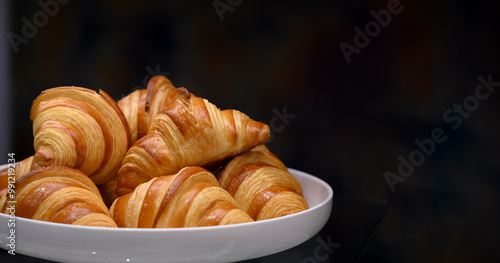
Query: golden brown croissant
19	169
189	132
190	198
261	185
79	128
60	195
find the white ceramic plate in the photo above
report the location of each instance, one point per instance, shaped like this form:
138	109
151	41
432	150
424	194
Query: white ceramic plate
67	243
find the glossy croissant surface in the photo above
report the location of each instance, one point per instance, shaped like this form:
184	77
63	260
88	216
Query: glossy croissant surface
59	195
189	132
79	128
190	198
261	185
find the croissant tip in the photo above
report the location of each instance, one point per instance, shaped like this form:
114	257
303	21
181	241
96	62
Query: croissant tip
155	81
184	92
159	78
265	133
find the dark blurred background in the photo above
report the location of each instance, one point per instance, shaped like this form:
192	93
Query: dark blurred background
351	120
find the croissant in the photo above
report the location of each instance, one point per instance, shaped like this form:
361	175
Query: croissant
189	132
19	169
59	195
190	198
79	128
261	185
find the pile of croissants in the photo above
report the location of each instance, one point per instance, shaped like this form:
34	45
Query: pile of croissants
158	158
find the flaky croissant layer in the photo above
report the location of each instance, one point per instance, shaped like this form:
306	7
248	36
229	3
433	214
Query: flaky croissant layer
190	198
